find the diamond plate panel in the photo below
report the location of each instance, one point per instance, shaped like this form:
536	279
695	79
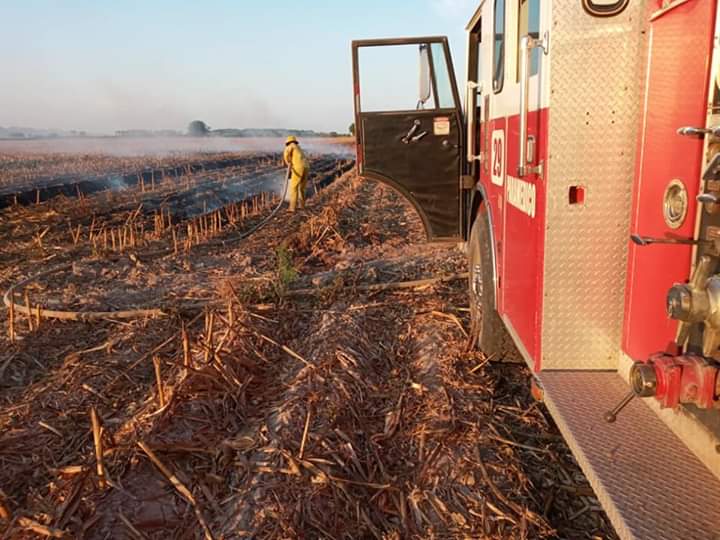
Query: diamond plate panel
594	119
651	486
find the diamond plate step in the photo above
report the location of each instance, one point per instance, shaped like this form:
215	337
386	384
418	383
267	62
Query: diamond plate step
651	486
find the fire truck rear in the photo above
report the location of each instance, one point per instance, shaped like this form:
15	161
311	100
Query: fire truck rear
582	171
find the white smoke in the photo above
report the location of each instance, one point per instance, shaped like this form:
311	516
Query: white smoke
159	146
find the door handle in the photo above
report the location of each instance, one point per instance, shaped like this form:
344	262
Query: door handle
647	240
690	131
527	44
472	89
419	136
409	135
708	198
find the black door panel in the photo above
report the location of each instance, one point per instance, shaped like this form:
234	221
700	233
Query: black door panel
425	170
418	152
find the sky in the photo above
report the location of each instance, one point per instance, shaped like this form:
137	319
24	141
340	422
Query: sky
106	65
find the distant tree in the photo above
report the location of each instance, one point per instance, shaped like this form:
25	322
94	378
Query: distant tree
198	128
351	129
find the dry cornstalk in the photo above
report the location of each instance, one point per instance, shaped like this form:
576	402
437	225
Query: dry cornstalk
39	237
390	285
209	325
71	470
158	379
519	510
4	512
131	527
287	350
134	214
49	428
75	233
44	530
97	439
305	434
38	311
11	321
185	345
178	485
28	311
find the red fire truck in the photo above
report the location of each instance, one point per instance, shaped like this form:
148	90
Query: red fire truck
583	175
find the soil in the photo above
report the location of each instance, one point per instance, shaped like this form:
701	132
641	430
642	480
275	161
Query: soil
309	399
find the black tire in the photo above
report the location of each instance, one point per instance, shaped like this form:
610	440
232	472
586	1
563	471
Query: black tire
487	328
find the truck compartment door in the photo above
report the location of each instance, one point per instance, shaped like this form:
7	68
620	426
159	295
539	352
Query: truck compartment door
409	126
681	41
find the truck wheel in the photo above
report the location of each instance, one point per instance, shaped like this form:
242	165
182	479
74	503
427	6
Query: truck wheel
487	329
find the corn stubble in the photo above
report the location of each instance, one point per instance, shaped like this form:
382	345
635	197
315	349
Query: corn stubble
312	380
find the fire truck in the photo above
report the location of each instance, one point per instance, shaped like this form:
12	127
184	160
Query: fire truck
582	172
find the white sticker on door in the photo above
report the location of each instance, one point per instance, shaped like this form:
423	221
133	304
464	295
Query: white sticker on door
441	125
497	163
522	195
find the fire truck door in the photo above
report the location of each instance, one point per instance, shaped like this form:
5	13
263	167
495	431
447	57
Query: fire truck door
519	142
409	135
669	169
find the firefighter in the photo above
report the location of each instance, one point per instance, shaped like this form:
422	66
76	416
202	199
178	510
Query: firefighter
294	158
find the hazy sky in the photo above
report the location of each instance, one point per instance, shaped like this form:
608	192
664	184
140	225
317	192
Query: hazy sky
102	65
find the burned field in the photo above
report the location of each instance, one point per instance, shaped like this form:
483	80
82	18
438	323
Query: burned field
168	375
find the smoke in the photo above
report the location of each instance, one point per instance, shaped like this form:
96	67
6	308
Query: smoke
117	183
161	146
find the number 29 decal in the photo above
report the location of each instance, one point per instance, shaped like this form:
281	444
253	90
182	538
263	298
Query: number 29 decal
497	156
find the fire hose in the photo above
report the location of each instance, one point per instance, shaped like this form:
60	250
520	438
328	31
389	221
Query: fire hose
86	316
275	210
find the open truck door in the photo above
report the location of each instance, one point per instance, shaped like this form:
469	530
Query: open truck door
409	126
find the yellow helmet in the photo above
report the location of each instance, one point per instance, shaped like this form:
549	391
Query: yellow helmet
291	139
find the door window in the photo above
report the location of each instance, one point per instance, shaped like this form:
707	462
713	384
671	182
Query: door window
394	78
499	46
529	24
445	97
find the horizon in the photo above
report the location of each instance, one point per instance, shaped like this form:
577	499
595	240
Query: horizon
81	66
159	132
